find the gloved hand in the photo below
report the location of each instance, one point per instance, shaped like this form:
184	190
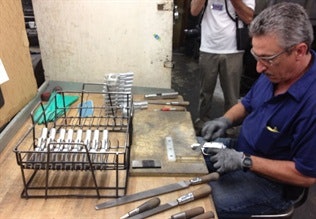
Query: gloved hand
226	160
215	128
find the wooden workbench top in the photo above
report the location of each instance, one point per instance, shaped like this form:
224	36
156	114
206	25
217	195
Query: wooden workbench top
11	185
12	206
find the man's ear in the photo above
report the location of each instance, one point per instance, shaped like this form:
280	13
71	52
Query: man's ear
301	50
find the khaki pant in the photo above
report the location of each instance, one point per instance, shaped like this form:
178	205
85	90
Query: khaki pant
229	68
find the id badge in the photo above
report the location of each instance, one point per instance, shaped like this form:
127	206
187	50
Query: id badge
217	5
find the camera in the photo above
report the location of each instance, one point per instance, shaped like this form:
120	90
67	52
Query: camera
193	33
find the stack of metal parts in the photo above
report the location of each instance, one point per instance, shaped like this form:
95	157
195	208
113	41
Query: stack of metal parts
116	86
95	142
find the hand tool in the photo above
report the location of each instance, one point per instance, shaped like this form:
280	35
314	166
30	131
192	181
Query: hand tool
166	108
206	215
201	192
188	214
144	104
173	103
150	204
158	191
171	95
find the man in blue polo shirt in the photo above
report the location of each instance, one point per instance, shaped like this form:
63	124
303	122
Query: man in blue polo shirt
277	141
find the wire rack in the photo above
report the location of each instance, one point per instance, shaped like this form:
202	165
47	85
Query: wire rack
84	151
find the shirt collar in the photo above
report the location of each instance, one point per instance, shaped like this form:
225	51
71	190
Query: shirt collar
299	88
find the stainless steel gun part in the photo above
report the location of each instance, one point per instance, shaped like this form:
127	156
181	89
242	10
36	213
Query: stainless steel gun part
51	138
41	141
60	140
87	142
77	145
104	142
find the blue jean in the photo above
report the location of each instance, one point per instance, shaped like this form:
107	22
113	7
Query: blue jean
239	194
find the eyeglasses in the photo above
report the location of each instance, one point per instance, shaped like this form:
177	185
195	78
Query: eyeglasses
267	60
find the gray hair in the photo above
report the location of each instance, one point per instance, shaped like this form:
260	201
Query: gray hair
289	22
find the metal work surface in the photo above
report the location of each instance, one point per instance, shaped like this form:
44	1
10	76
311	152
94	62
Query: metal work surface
151	127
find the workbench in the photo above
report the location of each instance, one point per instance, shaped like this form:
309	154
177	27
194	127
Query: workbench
13	206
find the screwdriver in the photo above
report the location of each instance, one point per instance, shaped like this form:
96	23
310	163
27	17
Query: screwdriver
171	109
173	103
152	203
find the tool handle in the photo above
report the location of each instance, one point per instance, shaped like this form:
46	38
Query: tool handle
206	215
206	178
201	192
152	203
166	108
182	103
189	213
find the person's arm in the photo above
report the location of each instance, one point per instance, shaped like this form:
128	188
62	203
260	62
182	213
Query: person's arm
236	114
216	128
283	171
244	12
196	7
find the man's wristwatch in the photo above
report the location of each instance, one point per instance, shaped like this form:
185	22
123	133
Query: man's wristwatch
246	162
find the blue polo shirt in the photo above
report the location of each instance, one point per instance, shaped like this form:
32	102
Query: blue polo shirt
282	127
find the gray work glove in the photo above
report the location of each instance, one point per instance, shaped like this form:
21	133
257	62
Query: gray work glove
226	160
215	128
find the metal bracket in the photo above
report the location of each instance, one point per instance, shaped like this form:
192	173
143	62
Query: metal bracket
170	149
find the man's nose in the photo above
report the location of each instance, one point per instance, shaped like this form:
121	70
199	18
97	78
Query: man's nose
260	67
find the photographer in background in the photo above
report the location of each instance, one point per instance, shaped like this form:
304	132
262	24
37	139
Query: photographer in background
219	55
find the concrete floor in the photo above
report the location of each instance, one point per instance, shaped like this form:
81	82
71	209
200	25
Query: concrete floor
185	80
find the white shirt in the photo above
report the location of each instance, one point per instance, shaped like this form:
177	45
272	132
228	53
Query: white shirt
218	30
